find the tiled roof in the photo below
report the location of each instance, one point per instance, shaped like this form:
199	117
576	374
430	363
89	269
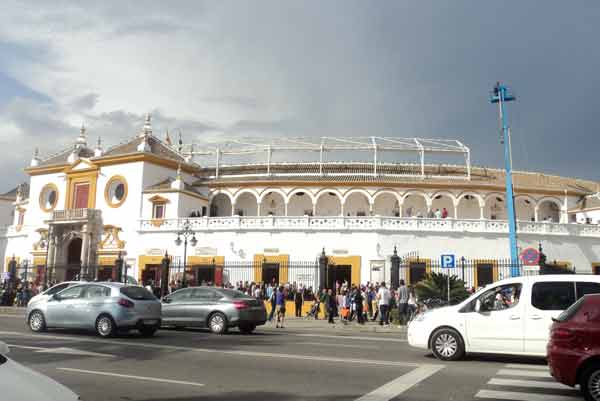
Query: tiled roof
395	174
62	156
12	194
157	147
166	184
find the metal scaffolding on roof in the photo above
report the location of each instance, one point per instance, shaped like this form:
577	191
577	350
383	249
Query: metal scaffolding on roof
328	145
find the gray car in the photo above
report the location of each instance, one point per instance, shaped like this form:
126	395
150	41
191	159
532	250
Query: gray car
104	307
212	307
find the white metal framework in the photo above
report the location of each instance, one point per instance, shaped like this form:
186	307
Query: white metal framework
265	148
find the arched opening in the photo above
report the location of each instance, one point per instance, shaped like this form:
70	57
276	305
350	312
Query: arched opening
415	205
357	204
495	207
74	252
468	207
300	204
272	204
386	204
525	208
549	211
442	205
246	204
220	205
328	204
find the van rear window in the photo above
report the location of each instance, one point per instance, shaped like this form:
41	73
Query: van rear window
139	293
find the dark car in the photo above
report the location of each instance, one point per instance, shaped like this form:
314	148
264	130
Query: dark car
574	347
216	308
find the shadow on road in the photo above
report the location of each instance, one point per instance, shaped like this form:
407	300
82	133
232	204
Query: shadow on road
260	396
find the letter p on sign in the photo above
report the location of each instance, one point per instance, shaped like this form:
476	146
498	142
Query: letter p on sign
448	261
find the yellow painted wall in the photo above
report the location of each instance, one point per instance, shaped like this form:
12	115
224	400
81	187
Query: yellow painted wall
283	261
353	261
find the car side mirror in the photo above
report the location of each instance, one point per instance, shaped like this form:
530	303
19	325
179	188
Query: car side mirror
56	297
166	300
4	348
478	306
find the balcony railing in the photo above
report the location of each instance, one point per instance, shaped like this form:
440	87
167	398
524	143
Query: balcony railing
376	223
74	215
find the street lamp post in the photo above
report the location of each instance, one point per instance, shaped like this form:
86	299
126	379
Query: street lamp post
185	232
501	95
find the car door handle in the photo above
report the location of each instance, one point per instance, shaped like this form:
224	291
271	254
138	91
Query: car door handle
514	317
535	317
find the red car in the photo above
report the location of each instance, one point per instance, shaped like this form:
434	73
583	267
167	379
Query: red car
574	347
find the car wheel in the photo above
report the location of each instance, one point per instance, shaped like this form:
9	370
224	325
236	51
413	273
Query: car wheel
217	323
247	328
148	331
590	383
447	345
37	323
105	326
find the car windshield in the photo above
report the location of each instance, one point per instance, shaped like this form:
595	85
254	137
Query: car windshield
139	293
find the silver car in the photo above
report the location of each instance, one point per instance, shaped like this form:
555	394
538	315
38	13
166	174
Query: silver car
104	307
54	289
215	308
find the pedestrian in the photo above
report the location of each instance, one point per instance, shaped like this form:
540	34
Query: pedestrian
412	303
383	300
358	302
444	213
273	301
403	296
331	306
298	300
280	306
438	214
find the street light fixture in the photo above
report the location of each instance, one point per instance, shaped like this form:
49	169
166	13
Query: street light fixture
185	232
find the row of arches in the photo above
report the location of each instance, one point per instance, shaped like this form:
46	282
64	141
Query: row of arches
358	202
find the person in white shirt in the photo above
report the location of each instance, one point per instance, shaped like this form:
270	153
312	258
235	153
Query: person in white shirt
383	301
438	214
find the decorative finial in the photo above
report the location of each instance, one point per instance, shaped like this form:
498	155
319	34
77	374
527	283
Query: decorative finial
98	151
81	140
395	250
168	138
35	160
148	125
36	152
180	142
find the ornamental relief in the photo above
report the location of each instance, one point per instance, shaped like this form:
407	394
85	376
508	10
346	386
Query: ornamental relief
110	238
42	242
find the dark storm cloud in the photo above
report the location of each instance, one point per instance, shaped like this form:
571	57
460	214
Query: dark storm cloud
386	68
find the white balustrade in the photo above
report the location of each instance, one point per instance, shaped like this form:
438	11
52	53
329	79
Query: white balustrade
374	223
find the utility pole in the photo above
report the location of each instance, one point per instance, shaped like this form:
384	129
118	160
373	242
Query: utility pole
501	95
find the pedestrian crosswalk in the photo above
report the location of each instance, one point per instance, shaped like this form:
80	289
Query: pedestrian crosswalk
521	382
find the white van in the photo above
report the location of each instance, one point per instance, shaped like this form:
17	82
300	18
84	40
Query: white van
511	316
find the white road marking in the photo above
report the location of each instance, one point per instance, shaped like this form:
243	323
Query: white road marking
398	386
152	379
530	383
524	373
60	350
518	396
524	366
341	337
362	346
221	351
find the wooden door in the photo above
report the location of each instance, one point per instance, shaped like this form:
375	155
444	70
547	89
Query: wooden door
81	194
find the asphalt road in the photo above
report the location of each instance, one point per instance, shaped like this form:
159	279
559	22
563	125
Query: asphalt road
271	364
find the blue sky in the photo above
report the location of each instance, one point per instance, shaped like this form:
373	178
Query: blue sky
304	68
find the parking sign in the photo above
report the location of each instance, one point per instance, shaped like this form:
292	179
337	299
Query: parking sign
448	261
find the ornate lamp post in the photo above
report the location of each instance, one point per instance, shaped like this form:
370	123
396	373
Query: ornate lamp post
185	232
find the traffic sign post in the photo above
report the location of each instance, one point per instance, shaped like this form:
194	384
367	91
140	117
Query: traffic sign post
448	261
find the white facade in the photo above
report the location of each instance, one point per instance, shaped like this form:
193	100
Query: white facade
247	217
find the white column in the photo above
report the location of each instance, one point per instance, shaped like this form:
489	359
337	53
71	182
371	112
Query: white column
285	207
536	214
481	211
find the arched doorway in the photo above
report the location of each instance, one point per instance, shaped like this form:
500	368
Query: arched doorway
220	205
73	258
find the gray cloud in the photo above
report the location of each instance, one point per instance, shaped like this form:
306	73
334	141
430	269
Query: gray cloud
340	68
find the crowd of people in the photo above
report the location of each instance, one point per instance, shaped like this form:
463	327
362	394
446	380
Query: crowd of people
18	293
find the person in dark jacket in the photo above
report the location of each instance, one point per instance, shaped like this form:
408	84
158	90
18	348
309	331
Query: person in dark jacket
298	300
358	304
331	306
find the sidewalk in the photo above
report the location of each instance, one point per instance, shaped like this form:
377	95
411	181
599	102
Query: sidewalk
322	325
12	310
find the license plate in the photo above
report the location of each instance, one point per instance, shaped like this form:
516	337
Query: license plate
153	321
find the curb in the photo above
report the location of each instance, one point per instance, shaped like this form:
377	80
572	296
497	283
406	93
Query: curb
12	310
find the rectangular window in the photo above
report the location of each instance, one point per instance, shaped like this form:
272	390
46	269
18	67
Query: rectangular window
158	211
553	295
